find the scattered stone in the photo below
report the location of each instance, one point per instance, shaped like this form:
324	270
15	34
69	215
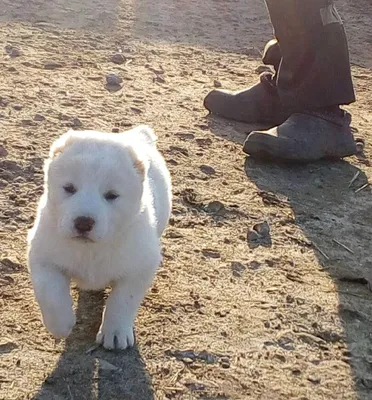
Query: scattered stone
222	313
329	336
189	356
17	107
7	347
217	84
172	234
113	79
206	169
3	151
136	110
259	234
39	117
172	162
115	130
51	65
280	357
177	150
211	253
254	265
286	343
159	79
8	48
207	357
225	362
76	123
15	53
195	386
187	360
215	207
118	58
290	299
263	229
28	122
185	136
204	142
253	236
237	268
3	102
12	51
314	379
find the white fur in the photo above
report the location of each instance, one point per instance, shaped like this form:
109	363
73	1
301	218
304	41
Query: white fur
122	250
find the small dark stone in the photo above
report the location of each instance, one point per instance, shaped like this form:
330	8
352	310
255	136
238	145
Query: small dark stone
39	117
225	362
51	65
118	58
113	79
206	169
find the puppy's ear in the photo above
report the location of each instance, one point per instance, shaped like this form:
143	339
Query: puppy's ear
143	134
139	161
60	144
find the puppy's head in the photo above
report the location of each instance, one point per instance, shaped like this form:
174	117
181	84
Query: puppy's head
94	185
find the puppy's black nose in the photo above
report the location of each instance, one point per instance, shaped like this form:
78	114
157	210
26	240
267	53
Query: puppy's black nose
84	224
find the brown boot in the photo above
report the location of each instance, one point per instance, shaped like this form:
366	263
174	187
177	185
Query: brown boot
259	103
305	138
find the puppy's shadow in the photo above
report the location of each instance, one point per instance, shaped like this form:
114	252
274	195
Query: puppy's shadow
85	374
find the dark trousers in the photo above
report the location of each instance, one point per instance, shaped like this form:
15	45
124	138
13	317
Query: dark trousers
313	67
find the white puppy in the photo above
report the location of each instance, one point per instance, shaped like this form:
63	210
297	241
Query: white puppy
106	202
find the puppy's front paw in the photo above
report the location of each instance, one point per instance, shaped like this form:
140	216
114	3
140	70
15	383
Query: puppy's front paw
115	336
60	322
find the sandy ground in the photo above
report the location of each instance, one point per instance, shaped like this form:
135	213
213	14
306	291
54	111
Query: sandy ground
287	318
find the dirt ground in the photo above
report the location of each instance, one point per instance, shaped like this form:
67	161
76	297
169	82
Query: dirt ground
289	317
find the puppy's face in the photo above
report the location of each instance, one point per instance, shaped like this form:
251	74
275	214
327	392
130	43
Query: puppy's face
94	185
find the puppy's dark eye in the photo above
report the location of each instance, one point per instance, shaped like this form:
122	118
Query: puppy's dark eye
110	196
70	188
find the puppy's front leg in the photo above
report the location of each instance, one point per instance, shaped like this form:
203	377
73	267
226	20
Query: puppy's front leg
52	292
116	331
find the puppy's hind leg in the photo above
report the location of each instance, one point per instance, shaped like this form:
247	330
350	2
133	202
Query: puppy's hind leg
52	292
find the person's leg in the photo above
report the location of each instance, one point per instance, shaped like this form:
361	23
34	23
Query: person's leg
313	73
312	80
315	70
259	103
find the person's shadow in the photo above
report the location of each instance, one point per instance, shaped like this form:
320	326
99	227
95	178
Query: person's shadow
331	215
86	372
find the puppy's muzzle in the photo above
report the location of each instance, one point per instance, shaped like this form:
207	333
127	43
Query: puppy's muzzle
84	225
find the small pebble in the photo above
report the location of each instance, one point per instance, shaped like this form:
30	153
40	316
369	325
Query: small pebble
118	58
3	151
225	362
39	117
206	169
15	53
113	79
